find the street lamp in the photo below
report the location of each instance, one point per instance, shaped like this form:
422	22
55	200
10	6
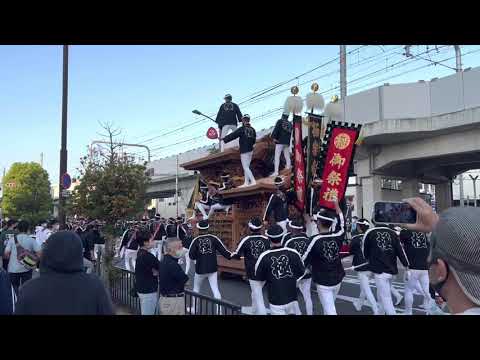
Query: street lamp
197	112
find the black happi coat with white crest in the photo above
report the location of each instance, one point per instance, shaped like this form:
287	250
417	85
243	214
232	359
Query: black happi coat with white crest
251	247
381	247
280	268
203	250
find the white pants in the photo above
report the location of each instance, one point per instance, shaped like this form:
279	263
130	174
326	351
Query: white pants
287	309
130	259
89	265
257	297
328	295
187	262
218	207
283	224
212	280
384	292
203	208
416	276
246	159
279	148
305	286
98	249
225	130
366	291
148	303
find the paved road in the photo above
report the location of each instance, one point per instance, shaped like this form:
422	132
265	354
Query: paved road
237	291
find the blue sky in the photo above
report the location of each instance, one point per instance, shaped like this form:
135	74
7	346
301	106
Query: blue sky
148	90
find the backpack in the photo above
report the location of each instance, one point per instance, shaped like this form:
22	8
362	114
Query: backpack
26	257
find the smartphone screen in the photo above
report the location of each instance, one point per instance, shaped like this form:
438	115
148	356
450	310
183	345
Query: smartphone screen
394	213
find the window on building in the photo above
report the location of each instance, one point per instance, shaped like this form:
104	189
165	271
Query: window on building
391	184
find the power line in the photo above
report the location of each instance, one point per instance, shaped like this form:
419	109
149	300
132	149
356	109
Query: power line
255	95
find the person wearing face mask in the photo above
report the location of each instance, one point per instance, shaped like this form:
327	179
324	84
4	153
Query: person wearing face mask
172	280
453	262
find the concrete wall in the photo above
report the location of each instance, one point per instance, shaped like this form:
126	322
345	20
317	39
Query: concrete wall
363	107
449	94
414	101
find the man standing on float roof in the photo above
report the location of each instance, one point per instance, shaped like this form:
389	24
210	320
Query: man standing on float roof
228	117
247	137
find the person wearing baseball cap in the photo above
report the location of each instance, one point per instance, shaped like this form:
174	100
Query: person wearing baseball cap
247	138
228	117
280	268
454	260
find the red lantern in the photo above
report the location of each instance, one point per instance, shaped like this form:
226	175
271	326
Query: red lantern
212	133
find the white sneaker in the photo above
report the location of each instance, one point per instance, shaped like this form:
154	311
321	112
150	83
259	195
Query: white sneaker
357	305
244	185
273	174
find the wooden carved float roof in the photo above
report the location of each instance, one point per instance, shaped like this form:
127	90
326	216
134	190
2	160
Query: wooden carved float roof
263	186
232	154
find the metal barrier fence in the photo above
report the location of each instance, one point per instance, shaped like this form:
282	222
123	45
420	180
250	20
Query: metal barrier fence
122	288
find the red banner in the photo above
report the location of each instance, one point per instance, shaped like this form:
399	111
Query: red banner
299	164
337	163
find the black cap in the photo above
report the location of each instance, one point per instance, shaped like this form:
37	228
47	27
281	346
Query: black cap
275	234
227	96
157	216
203	225
255	223
278	181
246	116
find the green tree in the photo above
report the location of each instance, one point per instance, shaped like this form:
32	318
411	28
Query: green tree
112	188
27	193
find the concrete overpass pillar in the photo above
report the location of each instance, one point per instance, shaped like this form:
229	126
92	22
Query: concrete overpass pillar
409	188
443	196
371	192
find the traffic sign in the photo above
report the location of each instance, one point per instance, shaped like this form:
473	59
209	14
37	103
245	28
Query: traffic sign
66	181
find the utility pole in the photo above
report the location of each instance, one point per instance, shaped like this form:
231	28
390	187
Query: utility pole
176	186
41	159
474	179
63	150
343	71
458	57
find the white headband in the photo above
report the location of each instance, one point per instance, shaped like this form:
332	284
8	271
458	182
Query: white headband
294	226
253	227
